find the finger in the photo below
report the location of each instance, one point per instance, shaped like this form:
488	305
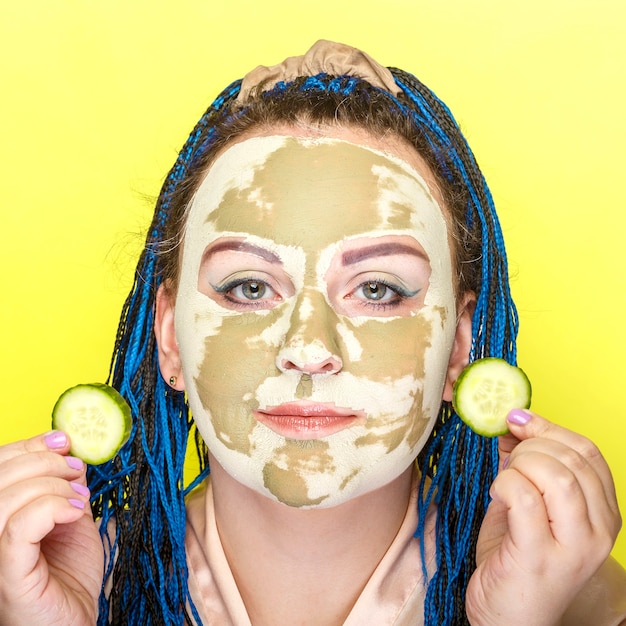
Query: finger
27	466
19	495
44	463
526	425
527	518
573	491
19	543
53	441
506	444
567	509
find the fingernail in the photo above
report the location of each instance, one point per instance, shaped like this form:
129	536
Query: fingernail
55	440
79	504
74	462
518	416
80	489
505	463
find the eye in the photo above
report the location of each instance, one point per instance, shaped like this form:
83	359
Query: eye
380	295
375	291
246	292
251	290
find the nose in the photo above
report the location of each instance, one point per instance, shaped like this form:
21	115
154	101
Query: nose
310	344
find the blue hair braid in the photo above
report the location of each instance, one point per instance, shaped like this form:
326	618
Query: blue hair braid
141	490
461	463
458	465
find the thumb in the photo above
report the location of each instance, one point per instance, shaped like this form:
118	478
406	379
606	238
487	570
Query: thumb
523	424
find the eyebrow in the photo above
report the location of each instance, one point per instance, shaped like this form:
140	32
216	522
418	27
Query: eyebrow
240	246
382	249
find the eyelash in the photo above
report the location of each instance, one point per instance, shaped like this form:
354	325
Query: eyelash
401	294
226	289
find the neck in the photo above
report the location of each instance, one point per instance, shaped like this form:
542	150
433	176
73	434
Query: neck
289	563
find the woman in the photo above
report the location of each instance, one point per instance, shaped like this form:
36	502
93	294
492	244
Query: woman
323	261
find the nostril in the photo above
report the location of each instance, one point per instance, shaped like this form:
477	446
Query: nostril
327	366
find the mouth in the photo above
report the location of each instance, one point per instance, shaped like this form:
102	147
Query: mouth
308	420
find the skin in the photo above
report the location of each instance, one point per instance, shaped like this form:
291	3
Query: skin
524	554
51	554
547	533
553	499
317	224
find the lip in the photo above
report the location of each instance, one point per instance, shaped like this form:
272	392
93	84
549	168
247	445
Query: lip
308	420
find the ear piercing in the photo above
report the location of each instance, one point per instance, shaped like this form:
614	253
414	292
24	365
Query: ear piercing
173	380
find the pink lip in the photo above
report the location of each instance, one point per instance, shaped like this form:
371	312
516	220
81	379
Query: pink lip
307	420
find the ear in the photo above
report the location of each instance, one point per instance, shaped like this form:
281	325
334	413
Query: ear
462	343
169	355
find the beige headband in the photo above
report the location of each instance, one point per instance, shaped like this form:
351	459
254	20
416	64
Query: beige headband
329	57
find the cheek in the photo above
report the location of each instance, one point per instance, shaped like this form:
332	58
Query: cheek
392	348
405	361
234	363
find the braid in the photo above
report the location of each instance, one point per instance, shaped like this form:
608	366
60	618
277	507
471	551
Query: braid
140	493
458	465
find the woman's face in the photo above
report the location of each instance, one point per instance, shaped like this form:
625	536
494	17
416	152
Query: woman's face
315	314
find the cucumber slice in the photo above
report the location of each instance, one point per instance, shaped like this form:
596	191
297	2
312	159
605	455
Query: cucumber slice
486	391
97	419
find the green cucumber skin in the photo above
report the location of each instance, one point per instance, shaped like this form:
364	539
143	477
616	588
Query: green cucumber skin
111	396
499	428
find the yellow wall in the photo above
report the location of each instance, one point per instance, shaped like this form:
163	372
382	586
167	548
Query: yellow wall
98	96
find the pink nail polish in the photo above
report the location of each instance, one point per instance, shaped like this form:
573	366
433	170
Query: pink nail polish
74	462
518	416
55	440
80	489
79	504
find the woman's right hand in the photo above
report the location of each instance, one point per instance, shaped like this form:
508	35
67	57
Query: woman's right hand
51	556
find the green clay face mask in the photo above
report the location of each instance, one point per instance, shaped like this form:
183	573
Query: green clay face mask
315	316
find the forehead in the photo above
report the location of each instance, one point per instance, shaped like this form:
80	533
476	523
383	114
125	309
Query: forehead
289	188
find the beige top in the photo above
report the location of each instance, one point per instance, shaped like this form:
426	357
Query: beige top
393	596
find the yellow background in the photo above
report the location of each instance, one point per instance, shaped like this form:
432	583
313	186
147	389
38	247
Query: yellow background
98	96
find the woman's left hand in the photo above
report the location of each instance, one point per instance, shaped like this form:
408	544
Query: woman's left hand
551	524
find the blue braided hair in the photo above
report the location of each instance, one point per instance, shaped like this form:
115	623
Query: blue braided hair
139	495
458	465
